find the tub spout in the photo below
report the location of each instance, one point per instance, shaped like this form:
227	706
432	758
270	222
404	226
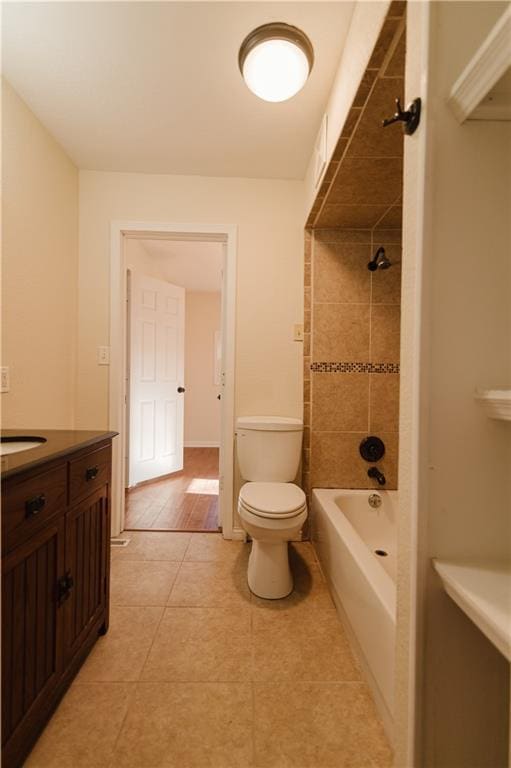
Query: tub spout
377	475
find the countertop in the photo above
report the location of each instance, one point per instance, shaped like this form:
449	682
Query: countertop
59	442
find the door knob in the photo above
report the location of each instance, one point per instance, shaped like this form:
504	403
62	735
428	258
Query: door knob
180	390
219	397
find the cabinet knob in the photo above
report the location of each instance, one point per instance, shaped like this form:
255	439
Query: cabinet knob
35	505
91	473
180	390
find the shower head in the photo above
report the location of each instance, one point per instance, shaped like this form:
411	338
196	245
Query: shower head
379	261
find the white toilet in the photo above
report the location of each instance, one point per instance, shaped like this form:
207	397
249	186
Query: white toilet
272	509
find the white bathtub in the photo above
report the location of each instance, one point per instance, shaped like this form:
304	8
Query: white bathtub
346	531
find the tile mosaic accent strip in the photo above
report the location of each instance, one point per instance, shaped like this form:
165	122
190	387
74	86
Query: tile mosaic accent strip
355	367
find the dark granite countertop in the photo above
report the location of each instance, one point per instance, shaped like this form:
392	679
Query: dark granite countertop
59	442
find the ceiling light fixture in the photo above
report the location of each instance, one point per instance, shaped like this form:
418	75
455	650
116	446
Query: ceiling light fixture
276	60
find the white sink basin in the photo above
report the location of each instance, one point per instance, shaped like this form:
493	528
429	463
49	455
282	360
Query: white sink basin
17	444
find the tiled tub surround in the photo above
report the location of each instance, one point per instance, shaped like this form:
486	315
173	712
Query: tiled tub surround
351	357
196	672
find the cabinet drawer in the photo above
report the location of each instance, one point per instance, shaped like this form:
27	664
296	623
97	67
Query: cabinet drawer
89	472
28	505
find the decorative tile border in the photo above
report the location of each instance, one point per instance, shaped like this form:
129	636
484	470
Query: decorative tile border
355	367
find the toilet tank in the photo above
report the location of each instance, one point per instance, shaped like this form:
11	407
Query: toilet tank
269	448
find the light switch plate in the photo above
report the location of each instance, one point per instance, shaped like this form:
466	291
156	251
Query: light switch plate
5	375
103	355
298	334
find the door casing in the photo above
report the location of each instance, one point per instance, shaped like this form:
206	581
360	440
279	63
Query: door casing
227	234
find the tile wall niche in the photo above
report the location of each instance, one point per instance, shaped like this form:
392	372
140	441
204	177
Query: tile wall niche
352	315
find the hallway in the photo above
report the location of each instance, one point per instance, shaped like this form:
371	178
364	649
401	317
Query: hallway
184	501
195	671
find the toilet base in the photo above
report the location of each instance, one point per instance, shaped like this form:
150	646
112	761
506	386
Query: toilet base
269	575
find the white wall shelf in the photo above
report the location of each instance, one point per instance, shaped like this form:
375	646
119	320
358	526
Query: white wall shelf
496	402
483	591
470	97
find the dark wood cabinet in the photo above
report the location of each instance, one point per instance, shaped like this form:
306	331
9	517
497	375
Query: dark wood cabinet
55	586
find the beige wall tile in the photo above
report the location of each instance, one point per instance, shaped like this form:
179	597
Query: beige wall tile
365	86
386	283
355	216
371	140
307	274
341	274
383	43
349	125
385	332
368	180
342	236
384	403
306	368
393	218
341	402
336	461
307	321
341	332
306	344
306	391
385	236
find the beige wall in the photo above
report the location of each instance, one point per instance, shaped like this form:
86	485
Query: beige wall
39	271
269	297
202	408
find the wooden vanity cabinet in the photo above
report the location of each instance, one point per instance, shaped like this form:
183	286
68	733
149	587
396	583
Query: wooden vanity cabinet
55	586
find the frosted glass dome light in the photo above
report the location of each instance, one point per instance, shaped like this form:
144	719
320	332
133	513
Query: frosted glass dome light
275	61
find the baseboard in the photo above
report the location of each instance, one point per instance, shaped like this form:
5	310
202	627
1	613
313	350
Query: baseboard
201	444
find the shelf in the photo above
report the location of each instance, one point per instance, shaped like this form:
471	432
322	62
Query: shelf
482	590
496	402
482	90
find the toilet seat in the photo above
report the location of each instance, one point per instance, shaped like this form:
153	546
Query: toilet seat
272	500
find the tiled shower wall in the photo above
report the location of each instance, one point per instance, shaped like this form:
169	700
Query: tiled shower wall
351	356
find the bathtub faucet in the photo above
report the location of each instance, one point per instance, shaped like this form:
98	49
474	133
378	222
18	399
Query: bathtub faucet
377	475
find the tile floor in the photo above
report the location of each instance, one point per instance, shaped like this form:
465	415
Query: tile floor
185	501
196	672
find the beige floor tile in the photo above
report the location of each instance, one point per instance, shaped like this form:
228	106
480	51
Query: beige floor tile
187	725
141	582
201	644
292	645
83	730
210	584
153	545
309	591
317	725
207	547
120	655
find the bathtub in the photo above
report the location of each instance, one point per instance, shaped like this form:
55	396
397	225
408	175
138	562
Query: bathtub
346	532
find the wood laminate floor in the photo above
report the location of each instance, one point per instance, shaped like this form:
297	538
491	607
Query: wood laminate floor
185	501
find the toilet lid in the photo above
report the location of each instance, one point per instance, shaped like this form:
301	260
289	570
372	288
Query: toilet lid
272	498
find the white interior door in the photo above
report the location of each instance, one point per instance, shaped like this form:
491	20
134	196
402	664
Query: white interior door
156	407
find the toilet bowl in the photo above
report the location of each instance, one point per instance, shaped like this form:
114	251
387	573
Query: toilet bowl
272	509
272	514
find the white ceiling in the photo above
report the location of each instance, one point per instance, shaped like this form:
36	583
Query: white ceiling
195	266
154	87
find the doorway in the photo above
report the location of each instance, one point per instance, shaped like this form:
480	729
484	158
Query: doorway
196	493
173	383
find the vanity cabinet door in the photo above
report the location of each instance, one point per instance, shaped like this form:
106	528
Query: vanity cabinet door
31	634
86	568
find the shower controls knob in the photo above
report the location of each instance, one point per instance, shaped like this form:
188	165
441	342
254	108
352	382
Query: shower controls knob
180	390
372	449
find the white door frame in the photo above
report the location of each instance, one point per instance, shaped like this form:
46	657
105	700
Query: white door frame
118	335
